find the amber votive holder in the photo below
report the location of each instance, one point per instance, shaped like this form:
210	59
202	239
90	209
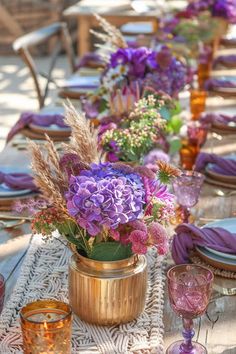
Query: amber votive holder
197	103
46	327
203	73
188	154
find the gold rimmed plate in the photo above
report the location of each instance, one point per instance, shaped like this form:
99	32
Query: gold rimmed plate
221	260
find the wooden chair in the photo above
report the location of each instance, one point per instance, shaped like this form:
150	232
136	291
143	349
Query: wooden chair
59	34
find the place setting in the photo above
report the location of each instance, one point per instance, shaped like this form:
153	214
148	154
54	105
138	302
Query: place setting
35	125
219	170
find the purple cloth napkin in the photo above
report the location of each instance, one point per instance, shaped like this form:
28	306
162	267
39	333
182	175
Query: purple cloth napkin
225	59
43	120
188	236
88	58
227	166
212	84
211	118
17	181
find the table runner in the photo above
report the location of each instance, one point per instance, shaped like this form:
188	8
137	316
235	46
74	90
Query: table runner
44	275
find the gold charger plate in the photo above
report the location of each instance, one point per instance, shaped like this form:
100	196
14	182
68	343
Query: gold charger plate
217	263
6	203
219	177
50	132
33	135
224	128
220	183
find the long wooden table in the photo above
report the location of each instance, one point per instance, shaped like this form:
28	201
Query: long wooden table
118	17
217	329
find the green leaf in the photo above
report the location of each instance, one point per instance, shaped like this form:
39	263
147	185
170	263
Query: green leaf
165	113
110	251
175	145
69	227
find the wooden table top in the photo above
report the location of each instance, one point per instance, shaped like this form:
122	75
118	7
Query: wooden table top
121	8
217	329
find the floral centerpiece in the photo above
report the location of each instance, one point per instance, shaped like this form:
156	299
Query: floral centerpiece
108	211
225	9
129	71
132	137
186	34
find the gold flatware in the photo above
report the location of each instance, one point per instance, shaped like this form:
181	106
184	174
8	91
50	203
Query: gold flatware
11	224
221	193
15	217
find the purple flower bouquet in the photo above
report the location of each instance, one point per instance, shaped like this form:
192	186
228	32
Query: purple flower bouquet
128	73
108	211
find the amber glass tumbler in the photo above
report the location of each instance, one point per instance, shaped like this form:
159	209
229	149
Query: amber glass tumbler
46	327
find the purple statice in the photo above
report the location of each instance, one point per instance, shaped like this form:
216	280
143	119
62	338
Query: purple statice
154	155
134	58
105	197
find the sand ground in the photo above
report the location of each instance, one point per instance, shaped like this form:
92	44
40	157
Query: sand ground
17	93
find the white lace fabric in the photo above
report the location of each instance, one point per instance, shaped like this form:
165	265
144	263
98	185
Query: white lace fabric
44	275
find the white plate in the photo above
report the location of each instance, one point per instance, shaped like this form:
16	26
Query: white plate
228	224
77	81
6	192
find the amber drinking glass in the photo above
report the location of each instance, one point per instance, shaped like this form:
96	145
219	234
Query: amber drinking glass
46	327
188	154
197	103
189	288
204	70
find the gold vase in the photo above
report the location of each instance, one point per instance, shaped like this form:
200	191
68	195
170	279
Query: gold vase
107	293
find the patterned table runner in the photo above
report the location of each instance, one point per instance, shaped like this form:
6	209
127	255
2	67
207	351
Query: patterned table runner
44	275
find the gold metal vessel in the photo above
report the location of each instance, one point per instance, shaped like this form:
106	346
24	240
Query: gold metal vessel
107	293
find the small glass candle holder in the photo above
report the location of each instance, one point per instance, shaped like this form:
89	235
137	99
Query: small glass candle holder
46	327
188	154
2	291
197	103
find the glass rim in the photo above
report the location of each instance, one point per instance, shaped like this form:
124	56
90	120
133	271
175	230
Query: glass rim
67	314
191	173
169	277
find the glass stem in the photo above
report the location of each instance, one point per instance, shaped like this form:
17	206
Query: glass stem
186	215
188	333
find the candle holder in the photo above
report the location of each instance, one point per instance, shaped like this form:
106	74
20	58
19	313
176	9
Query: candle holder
46	327
188	154
197	103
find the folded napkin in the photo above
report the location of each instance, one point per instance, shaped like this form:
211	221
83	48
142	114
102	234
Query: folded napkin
89	58
211	84
225	59
225	165
43	120
211	118
17	181
188	236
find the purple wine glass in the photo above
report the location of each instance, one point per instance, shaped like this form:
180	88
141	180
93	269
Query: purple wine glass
2	291
187	189
189	288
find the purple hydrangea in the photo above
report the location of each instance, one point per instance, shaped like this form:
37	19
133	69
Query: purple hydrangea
169	74
105	196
